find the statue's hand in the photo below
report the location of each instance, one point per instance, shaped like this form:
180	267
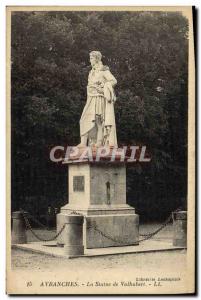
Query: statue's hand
100	84
100	90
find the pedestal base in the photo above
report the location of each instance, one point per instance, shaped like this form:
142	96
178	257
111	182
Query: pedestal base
111	230
97	190
106	230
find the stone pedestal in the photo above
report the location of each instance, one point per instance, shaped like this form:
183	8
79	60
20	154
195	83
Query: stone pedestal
112	230
180	229
73	235
18	228
97	190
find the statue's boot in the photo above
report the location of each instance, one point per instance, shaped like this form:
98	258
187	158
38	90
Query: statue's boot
83	142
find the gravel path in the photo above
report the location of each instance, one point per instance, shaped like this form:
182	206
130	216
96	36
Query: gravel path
151	261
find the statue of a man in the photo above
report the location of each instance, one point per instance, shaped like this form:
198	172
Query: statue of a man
97	123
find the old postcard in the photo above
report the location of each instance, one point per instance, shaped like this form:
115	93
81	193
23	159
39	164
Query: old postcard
100	150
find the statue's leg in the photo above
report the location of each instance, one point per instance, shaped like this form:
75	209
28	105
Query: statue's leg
92	136
107	132
83	142
99	124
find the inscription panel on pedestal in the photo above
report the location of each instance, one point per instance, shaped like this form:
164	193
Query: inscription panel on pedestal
78	183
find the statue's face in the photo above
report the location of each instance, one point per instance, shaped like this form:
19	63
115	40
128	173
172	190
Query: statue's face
93	60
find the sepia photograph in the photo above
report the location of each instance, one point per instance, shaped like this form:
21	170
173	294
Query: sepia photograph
100	150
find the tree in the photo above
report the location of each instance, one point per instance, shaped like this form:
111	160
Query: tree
148	54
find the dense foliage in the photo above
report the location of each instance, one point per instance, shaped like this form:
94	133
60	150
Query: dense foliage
148	54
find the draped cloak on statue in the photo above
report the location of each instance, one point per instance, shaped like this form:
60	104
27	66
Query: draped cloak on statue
100	102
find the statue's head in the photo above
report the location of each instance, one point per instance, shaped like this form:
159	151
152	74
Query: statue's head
95	57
